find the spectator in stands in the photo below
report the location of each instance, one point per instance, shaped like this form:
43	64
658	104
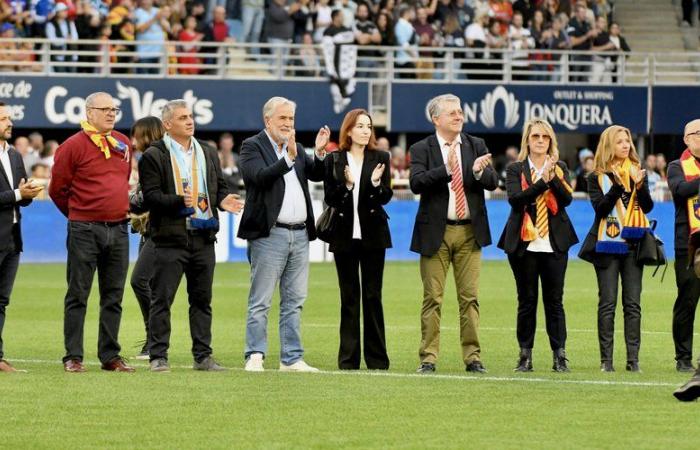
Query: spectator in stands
540	33
217	30
407	39
582	35
620	44
303	20
661	166
323	18
309	58
443	9
348	7
527	8
20	15
253	14
519	41
62	31
188	60
41	176
501	12
29	155
617	184
88	23
495	41
427	37
558	40
399	168
510	156
41	13
652	174
581	183
475	36
366	33
385	26
601	69
453	36
36	141
465	12
550	9
151	25
383	144
687	6
360	239
279	27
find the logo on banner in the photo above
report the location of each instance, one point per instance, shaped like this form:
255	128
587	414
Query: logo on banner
488	108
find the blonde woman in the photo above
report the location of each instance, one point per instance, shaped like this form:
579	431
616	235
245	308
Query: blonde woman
619	191
537	238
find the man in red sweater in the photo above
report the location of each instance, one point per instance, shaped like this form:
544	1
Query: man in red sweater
90	185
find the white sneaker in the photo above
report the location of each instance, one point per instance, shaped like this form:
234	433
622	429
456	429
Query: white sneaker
299	366
254	363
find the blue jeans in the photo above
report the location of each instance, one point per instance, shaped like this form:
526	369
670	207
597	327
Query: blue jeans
282	257
252	19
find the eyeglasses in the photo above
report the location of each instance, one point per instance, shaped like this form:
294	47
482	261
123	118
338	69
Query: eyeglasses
694	133
106	109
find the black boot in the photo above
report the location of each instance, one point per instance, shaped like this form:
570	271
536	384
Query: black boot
524	360
560	361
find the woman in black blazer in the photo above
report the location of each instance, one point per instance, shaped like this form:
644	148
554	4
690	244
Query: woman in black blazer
537	238
619	191
357	184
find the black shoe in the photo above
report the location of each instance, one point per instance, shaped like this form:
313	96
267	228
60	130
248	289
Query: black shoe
632	366
606	366
560	362
689	391
524	361
683	365
476	366
426	368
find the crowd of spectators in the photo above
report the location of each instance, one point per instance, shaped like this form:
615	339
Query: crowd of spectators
482	27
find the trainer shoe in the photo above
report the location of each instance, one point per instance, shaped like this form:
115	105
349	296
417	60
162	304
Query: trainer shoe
160	365
299	366
208	364
254	363
426	368
689	391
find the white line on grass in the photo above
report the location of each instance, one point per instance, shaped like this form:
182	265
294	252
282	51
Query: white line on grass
415	375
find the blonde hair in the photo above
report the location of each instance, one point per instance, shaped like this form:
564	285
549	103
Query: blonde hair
553	149
605	152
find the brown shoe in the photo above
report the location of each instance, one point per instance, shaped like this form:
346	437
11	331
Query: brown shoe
6	366
117	365
74	366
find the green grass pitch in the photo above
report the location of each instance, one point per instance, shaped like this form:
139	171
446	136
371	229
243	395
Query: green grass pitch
46	408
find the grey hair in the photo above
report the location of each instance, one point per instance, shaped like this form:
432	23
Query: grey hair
171	106
272	104
434	105
90	99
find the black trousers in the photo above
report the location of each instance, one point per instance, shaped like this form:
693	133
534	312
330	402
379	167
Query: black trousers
626	269
528	270
142	277
687	6
196	262
105	248
367	290
9	262
684	308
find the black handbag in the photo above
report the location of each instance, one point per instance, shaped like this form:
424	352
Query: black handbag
328	220
650	250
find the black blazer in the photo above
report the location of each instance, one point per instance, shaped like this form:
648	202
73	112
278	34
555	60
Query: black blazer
373	218
681	191
167	224
602	205
263	175
429	178
8	203
561	232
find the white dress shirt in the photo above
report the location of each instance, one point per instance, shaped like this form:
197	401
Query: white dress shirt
444	149
540	244
356	171
7	167
293	209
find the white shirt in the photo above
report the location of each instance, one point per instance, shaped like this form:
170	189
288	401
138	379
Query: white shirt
189	152
293	209
540	244
7	167
356	171
444	149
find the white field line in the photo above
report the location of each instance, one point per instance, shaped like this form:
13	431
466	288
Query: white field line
360	373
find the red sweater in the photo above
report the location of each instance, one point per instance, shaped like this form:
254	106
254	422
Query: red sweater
85	185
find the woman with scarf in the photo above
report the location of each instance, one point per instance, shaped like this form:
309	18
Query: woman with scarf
619	191
537	238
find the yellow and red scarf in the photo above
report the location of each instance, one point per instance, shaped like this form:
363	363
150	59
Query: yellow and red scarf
528	231
101	141
691	171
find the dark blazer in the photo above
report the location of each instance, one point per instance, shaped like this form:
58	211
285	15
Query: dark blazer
681	191
429	178
561	231
166	220
373	218
8	203
263	175
603	205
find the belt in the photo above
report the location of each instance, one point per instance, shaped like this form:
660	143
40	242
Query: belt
291	226
459	222
109	224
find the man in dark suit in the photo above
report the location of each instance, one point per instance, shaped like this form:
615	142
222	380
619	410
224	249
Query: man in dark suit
183	186
15	191
450	171
684	182
278	223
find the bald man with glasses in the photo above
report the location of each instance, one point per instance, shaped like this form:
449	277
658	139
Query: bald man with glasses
90	186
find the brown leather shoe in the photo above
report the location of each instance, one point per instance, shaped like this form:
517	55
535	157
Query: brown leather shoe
117	365
74	366
6	366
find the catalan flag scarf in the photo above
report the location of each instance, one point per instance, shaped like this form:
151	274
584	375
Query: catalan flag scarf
199	217
103	141
528	230
622	224
691	171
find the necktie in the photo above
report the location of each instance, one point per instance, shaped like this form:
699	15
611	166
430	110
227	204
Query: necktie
542	222
457	184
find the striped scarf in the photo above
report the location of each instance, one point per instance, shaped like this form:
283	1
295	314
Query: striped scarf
691	171
545	202
104	140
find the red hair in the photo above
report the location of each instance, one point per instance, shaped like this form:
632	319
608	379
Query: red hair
349	123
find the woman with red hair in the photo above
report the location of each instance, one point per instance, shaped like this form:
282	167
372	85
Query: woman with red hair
357	185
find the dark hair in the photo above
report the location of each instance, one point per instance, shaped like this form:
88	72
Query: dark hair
348	123
2	104
149	130
335	13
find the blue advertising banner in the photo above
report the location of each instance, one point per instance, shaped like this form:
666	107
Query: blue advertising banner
673	107
58	102
492	108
